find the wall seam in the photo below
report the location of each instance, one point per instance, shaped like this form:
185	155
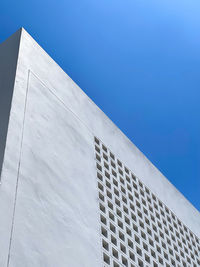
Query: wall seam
18	172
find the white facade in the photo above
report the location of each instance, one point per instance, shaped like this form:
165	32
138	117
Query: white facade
74	190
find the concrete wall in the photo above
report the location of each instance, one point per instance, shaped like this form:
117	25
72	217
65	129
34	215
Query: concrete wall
49	174
8	63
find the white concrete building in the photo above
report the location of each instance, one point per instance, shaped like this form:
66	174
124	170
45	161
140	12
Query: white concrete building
75	192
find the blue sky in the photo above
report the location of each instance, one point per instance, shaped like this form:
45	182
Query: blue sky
139	60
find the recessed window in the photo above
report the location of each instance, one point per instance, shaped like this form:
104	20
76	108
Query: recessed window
163	245
121	236
117	202
97	149
121	180
139	251
133	217
127	220
115	182
110	205
132	207
113	240
143	235
156	238
153	254
158	249
105	157
128	231
139	214
107	174
119	163
101	196
116	192
104	232
141	224
123	190
124	261
135	227
111	216
128	179
138	204
133	177
115	253
106	165
160	260
120	224
112	228
166	256
114	173
147	190
130	197
151	242
147	258
96	140
102	208
140	263
99	167
145	246
115	264
98	157
132	256
147	221
104	148
119	213
123	248
100	186
124	199
125	209
106	258
137	239
105	244
109	194
103	219
108	184
135	186
120	171
129	188
130	243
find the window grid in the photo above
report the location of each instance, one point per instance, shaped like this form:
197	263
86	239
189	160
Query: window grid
137	229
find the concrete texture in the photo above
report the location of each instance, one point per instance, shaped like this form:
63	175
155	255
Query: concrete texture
48	196
8	63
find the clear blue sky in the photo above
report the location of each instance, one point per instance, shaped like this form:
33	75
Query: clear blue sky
139	60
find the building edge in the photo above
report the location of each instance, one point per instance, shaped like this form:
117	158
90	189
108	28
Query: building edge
9	53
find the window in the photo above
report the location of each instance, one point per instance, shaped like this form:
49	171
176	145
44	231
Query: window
105	244
113	240
106	258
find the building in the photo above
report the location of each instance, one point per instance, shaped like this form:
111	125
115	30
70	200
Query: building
75	192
